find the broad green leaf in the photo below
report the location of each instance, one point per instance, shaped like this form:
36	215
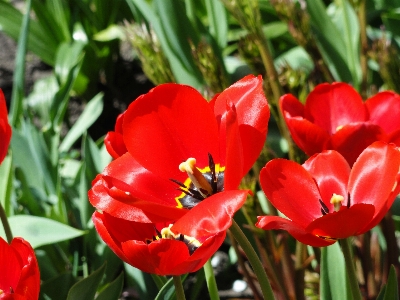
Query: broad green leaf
17	97
329	40
113	290
218	21
297	58
40	231
57	287
333	282
142	282
89	115
39	42
112	32
68	56
391	290
86	288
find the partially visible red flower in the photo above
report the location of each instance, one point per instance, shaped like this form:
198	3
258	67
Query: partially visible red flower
19	275
114	140
184	157
153	248
324	200
5	128
335	117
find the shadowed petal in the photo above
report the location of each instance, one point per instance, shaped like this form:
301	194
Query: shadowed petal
273	222
5	128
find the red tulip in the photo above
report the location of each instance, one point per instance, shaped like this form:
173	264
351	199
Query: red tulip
335	117
324	200
19	276
5	129
154	248
185	157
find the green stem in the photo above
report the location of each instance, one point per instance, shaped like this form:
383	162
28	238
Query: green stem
180	294
351	270
210	279
6	225
253	259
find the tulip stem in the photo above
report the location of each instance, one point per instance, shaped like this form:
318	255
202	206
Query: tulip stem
210	279
180	294
253	259
6	225
351	270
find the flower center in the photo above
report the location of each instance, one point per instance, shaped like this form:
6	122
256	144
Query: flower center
200	184
166	233
336	200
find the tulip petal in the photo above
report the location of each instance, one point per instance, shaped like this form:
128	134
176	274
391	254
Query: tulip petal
308	137
331	106
5	128
167	126
11	265
374	175
384	110
352	139
344	223
212	215
252	113
292	190
273	222
331	173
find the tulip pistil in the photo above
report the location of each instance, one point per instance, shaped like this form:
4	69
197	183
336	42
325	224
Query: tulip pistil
337	200
200	184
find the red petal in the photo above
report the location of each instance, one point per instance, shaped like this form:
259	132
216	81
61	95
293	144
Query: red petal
292	190
331	173
115	145
252	113
374	175
5	128
167	126
344	223
29	282
308	136
384	110
11	265
332	105
212	215
127	190
272	222
352	139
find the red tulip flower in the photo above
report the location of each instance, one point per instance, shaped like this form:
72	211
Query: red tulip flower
19	276
324	200
335	117
5	129
154	248
180	159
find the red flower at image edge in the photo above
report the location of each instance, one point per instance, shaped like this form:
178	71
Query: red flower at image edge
179	160
335	117
5	129
324	200
19	276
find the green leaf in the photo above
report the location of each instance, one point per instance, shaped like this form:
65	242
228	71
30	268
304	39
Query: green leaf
16	109
40	231
329	41
333	282
6	184
39	42
218	21
86	288
168	290
57	287
89	115
391	288
142	282
112	290
112	32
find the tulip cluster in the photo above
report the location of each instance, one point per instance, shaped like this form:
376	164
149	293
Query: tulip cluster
165	201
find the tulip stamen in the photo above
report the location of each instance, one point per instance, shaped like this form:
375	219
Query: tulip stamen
214	180
337	200
348	200
197	178
324	208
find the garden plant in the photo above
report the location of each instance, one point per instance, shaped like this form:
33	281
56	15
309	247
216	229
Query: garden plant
257	155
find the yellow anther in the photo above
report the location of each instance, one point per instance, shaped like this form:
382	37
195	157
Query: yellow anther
337	200
197	178
339	127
